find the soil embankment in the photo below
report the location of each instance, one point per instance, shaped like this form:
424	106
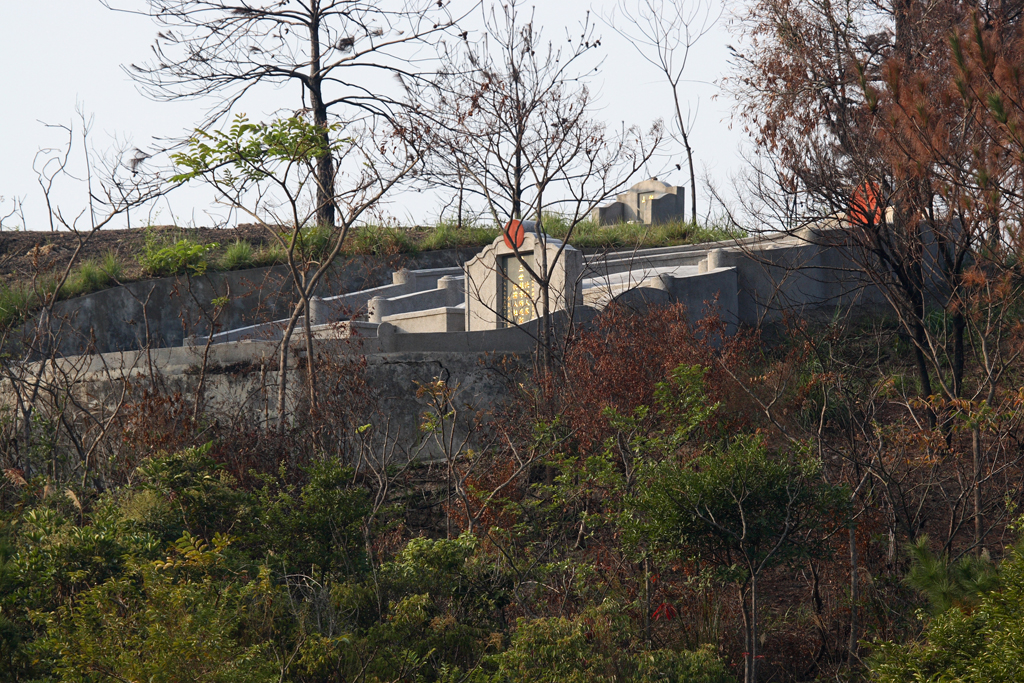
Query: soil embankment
24	254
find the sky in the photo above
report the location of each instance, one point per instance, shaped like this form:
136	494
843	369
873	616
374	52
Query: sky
61	57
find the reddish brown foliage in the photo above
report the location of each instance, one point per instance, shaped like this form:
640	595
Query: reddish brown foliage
617	365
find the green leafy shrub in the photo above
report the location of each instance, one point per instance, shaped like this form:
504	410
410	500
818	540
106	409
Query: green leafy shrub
591	648
317	526
947	584
239	254
206	498
182	256
977	641
173	621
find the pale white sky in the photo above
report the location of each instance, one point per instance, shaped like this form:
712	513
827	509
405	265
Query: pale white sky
57	55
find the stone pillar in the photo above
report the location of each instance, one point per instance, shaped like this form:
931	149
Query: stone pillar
318	311
662	281
455	290
715	259
386	337
375	308
403	277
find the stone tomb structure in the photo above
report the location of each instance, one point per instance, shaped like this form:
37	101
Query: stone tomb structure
650	202
490	303
501	292
453	322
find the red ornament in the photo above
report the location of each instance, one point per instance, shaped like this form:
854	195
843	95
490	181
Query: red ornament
865	204
514	233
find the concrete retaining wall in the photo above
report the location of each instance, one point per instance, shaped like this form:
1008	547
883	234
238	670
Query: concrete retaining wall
241	383
164	311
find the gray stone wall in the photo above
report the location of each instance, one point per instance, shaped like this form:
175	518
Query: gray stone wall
241	383
162	312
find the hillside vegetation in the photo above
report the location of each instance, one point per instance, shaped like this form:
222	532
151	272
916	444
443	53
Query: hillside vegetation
655	499
621	520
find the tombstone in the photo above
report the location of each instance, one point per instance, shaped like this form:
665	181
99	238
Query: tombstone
500	292
649	202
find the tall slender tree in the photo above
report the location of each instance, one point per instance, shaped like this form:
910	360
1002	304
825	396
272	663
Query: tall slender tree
352	58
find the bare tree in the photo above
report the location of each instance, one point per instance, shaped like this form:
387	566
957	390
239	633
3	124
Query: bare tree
664	33
341	53
12	217
512	118
40	388
481	116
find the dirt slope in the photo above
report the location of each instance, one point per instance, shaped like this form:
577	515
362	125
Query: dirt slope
23	254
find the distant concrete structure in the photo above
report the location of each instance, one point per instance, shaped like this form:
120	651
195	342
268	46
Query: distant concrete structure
489	303
463	322
649	202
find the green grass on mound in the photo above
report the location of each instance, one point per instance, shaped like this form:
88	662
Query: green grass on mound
634	235
448	235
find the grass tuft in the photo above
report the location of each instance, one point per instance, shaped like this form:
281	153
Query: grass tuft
91	276
448	235
112	266
269	255
88	278
313	241
239	254
377	240
16	301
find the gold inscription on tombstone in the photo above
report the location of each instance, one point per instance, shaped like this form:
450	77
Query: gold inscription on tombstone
520	290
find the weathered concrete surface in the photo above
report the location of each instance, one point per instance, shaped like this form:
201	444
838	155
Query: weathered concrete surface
477	381
713	292
795	278
162	312
241	384
387	337
440	319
